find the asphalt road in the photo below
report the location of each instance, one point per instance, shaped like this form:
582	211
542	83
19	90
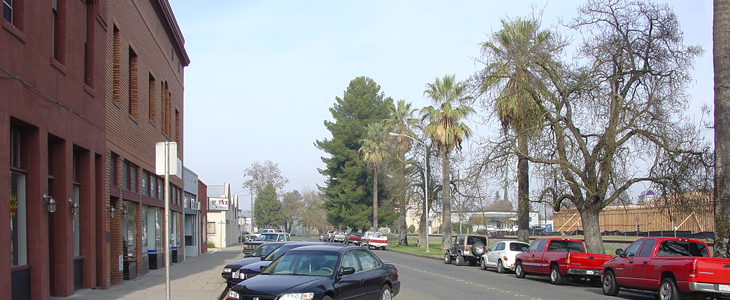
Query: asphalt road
427	278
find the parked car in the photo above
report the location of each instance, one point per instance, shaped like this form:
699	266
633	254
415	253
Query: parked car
252	269
329	237
674	267
502	255
249	246
466	247
256	255
354	238
339	237
322	272
558	257
323	237
255	236
374	239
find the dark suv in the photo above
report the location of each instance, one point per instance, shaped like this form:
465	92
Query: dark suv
466	247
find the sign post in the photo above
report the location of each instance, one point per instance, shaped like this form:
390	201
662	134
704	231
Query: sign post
165	164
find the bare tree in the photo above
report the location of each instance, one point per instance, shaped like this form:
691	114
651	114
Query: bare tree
292	205
263	174
618	119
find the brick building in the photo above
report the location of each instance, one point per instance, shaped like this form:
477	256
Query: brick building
52	121
145	59
87	88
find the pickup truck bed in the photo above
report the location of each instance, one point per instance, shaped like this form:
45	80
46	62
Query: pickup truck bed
558	258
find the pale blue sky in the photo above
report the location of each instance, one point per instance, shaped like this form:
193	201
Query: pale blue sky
263	74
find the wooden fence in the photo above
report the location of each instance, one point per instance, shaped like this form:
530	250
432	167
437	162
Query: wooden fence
632	217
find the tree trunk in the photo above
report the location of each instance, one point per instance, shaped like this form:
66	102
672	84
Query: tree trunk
592	230
375	199
402	226
721	64
446	199
523	191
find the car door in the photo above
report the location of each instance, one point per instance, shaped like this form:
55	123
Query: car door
533	259
493	254
624	265
372	274
350	287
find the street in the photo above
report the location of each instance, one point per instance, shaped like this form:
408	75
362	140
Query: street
426	278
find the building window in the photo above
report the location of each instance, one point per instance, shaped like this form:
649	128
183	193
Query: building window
113	169
144	217
59	16
132	83
144	183
153	186
210	227
153	101
89	44
129	176
128	230
115	64
18	220
8	10
125	174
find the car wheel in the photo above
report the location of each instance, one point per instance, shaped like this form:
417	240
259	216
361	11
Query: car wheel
383	248
447	258
668	290
609	284
386	294
459	260
326	298
478	248
519	272
555	277
500	267
482	263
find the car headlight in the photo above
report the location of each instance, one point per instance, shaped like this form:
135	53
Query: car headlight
227	270
297	296
235	274
232	295
241	275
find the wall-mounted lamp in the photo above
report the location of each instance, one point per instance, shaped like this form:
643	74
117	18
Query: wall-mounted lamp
111	211
51	203
74	206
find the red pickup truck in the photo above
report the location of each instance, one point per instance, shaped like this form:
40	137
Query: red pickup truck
559	258
675	267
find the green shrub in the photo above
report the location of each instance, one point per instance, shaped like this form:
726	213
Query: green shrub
211	244
411	229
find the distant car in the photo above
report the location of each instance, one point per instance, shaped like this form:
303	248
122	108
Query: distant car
502	255
322	272
322	237
354	238
255	236
374	239
249	246
256	255
250	270
339	237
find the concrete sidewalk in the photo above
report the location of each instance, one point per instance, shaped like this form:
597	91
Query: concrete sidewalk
196	278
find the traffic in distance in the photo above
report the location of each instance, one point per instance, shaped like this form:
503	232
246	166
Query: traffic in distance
669	268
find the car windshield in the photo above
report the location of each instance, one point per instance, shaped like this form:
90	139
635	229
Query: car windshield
304	263
278	253
566	246
517	246
375	234
264	249
268	237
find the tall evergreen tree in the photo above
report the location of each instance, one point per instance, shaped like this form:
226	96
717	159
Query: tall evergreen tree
347	192
267	208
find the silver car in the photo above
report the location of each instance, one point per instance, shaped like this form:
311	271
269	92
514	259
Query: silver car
502	255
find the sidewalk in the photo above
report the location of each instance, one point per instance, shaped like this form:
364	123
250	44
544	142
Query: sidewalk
198	277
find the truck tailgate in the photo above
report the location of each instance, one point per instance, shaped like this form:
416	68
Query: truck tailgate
712	270
587	260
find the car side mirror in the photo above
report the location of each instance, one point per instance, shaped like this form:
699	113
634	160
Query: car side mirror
620	252
524	248
262	268
347	271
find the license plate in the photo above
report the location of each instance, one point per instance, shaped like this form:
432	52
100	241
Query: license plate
724	287
589	272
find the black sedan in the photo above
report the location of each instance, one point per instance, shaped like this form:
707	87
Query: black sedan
322	272
253	269
256	255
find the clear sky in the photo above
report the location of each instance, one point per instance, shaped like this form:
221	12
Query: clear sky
263	74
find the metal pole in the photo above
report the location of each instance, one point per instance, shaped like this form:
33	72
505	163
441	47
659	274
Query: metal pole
167	220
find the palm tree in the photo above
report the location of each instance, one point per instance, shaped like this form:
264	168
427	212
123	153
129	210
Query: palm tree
721	62
446	130
401	121
517	52
374	153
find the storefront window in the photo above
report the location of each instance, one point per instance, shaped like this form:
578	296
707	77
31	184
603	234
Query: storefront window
128	230
18	236
158	229
144	229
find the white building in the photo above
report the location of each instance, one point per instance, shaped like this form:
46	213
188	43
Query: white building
223	228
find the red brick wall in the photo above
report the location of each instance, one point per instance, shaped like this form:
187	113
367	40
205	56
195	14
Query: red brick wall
143	27
49	99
